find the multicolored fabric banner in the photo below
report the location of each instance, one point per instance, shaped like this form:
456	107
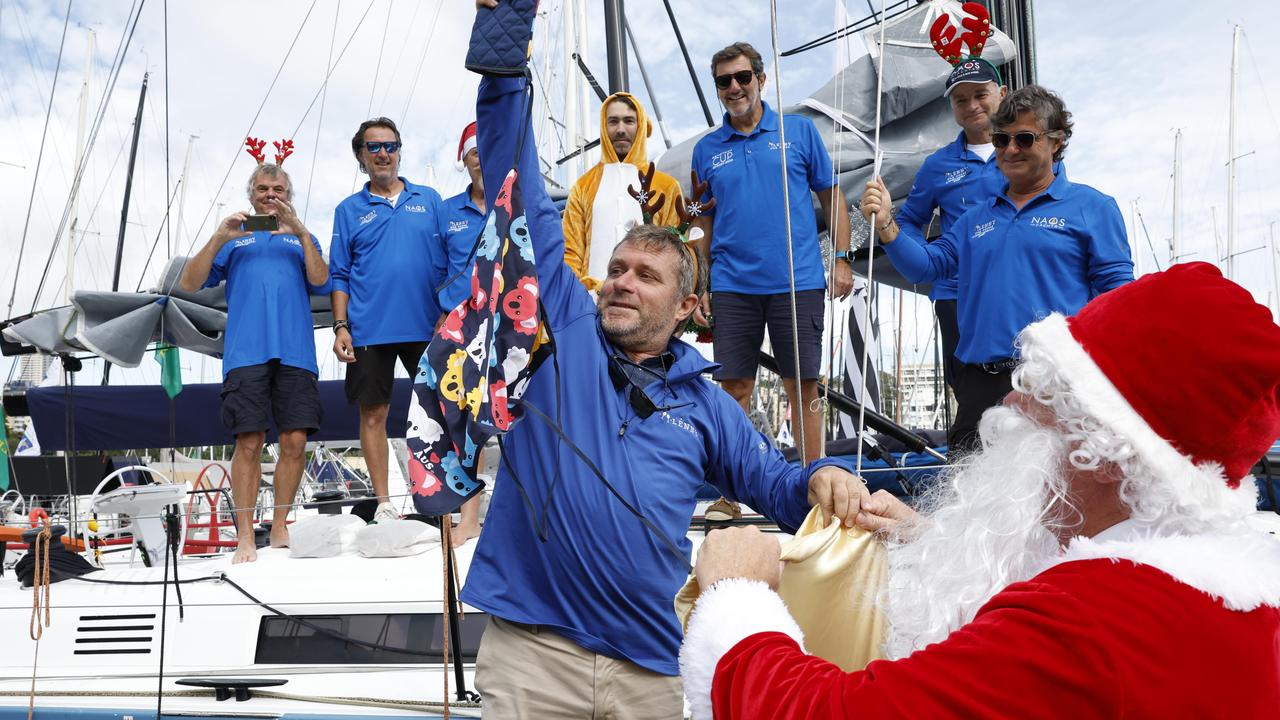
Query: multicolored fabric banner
478	364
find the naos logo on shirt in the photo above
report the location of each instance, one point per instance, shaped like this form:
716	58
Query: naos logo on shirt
291	240
415	208
776	146
983	228
723	158
956	176
366	219
246	241
458	225
1054	223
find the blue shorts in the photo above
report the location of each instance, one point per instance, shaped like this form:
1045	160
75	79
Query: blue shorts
255	394
740	322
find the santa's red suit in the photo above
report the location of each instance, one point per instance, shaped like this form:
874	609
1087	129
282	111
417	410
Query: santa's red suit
1130	627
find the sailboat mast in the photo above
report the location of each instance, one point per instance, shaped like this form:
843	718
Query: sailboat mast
1176	247
182	193
1231	157
615	42
75	188
570	44
124	210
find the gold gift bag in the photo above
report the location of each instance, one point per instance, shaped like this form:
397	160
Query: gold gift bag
829	584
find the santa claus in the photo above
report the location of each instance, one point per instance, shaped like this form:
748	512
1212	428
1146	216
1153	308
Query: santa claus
1094	559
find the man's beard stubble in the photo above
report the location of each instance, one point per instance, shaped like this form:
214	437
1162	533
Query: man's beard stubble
984	527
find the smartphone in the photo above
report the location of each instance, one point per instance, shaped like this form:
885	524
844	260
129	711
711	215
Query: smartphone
255	223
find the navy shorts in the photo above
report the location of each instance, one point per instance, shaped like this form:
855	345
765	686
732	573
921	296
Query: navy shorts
254	394
740	322
370	377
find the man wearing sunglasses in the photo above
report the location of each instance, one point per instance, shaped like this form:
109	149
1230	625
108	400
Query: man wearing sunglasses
745	236
387	258
956	177
586	543
1041	245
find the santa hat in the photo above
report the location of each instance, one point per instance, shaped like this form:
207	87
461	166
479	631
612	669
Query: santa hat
467	142
1185	365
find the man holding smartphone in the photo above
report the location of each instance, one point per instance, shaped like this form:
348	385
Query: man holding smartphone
269	358
389	259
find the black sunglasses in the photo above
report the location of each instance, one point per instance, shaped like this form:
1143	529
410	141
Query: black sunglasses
743	77
1024	139
640	401
391	147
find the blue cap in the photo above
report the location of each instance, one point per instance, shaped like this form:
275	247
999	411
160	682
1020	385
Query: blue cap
972	70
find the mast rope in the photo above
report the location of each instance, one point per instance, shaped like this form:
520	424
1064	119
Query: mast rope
798	407
39	601
871	241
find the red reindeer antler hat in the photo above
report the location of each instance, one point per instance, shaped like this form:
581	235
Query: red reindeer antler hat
947	42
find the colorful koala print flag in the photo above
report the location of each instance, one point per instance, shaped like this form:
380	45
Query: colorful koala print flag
478	364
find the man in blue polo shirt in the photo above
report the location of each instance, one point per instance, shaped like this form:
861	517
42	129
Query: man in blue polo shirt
387	258
269	355
1042	245
464	217
745	236
954	178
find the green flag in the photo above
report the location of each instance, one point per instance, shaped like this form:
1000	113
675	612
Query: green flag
4	452
170	370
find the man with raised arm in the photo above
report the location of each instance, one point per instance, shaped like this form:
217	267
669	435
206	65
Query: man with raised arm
578	569
269	359
389	259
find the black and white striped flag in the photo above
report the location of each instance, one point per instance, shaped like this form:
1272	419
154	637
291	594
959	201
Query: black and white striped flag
859	301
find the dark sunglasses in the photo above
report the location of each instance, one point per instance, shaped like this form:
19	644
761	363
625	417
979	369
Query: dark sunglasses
643	405
391	147
1024	139
743	77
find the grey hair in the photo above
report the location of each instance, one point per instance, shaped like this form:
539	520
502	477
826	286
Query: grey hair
274	171
655	238
737	50
1048	108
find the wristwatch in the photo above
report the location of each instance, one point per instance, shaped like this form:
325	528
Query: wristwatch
342	325
844	255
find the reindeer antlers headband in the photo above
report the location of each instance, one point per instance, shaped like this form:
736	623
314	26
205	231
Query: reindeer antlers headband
947	44
284	148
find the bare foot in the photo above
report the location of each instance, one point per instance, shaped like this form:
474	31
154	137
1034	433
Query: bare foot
279	536
462	532
246	551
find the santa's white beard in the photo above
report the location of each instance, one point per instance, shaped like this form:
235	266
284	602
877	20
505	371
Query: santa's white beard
985	525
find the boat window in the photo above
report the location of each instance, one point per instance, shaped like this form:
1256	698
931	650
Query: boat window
404	637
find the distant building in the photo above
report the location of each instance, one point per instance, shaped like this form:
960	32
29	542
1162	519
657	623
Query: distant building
923	393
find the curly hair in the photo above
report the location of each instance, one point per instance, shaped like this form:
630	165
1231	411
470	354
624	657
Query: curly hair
1048	108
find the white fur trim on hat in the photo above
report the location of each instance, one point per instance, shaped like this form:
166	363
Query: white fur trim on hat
728	613
1241	568
1203	485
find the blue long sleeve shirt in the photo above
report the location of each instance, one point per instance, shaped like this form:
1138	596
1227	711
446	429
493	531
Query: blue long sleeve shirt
952	180
1015	266
390	261
462	224
601	578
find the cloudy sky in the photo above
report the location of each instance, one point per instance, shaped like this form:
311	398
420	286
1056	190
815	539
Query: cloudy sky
1131	73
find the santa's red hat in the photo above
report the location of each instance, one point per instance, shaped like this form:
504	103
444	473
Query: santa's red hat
466	142
1185	365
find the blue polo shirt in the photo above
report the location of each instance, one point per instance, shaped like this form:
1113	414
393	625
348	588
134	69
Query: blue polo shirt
463	222
953	179
748	238
389	260
268	308
1063	248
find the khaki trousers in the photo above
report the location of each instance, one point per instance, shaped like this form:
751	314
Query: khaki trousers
525	671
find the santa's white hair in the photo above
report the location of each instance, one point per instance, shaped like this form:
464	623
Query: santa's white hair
995	518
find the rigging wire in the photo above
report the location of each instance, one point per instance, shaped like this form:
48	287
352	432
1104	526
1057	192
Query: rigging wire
231	166
791	265
871	233
44	136
126	38
324	94
417	73
325	84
